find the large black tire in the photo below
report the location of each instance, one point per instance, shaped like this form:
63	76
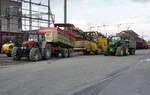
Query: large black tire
16	53
70	54
132	51
96	53
119	51
56	55
125	52
106	53
8	54
47	52
86	52
35	54
65	52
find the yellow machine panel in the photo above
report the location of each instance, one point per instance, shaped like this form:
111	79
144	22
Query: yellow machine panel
94	43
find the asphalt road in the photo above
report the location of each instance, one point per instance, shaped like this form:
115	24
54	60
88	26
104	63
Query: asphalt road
5	61
79	75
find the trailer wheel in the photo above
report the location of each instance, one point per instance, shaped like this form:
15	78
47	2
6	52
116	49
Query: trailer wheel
47	52
16	53
65	53
132	52
70	54
85	52
35	54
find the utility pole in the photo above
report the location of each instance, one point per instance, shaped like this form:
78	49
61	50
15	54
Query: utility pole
49	13
30	13
118	27
65	11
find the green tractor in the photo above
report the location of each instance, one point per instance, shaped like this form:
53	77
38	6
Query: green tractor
121	46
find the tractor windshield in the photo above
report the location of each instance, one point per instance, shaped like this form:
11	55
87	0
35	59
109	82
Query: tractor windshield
90	36
114	40
36	38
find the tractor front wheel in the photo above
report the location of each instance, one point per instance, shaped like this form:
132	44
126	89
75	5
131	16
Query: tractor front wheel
16	53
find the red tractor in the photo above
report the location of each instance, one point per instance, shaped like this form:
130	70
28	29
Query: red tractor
47	42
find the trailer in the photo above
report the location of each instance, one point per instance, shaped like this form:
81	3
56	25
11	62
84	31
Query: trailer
141	43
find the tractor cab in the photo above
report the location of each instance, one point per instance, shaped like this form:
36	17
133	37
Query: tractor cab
34	39
37	37
114	40
118	41
91	36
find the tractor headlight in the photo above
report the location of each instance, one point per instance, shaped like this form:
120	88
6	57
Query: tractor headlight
111	49
23	47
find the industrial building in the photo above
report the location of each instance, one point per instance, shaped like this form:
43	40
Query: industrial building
10	16
21	15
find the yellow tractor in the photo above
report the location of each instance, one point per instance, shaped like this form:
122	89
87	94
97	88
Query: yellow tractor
7	48
92	43
10	42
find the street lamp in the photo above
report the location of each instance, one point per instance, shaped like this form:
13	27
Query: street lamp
49	13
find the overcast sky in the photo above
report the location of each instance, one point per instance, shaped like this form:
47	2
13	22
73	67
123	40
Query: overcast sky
107	16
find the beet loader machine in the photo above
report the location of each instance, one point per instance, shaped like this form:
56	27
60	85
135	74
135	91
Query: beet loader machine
92	42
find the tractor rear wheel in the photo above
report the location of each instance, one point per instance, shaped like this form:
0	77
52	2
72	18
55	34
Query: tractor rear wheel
119	51
16	53
47	52
35	54
126	52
